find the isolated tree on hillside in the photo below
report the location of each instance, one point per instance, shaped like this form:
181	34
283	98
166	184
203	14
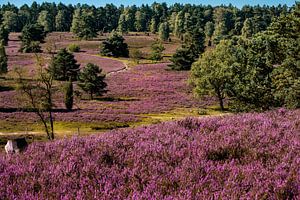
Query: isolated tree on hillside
164	31
4	35
64	66
3	60
114	46
31	37
92	81
38	95
156	51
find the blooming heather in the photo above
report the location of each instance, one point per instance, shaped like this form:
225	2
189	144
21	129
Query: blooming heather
247	156
140	90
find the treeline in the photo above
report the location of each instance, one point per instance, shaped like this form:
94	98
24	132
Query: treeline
218	22
254	73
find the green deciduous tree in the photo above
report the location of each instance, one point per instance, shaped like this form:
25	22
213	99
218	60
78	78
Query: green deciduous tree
211	74
92	81
114	46
64	66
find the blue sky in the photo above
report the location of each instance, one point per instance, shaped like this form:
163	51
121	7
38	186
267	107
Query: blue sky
238	3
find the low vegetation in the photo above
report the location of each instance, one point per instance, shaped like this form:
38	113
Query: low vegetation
192	158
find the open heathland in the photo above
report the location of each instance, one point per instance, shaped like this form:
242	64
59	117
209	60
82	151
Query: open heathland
246	156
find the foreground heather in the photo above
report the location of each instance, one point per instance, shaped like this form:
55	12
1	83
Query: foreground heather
250	156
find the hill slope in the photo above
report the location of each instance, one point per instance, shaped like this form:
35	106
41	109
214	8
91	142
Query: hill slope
253	156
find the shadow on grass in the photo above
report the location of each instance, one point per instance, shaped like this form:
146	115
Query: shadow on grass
6	88
11	110
110	127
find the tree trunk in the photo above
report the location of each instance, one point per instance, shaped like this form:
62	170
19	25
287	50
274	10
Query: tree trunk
221	103
91	96
220	100
51	125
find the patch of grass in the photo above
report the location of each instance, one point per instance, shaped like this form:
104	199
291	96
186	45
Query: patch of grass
176	114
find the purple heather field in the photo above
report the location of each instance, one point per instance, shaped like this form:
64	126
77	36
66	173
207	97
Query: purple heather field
140	90
244	156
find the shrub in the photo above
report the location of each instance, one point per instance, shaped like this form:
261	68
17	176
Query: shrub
73	48
136	55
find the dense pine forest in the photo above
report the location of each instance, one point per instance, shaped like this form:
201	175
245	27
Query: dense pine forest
220	22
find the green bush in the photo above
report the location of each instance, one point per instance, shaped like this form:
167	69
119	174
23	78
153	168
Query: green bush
73	48
136	55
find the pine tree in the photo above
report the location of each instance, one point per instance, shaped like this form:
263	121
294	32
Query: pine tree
92	81
31	37
157	49
114	46
64	66
183	58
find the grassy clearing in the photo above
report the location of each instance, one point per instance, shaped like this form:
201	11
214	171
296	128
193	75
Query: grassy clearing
180	113
68	129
